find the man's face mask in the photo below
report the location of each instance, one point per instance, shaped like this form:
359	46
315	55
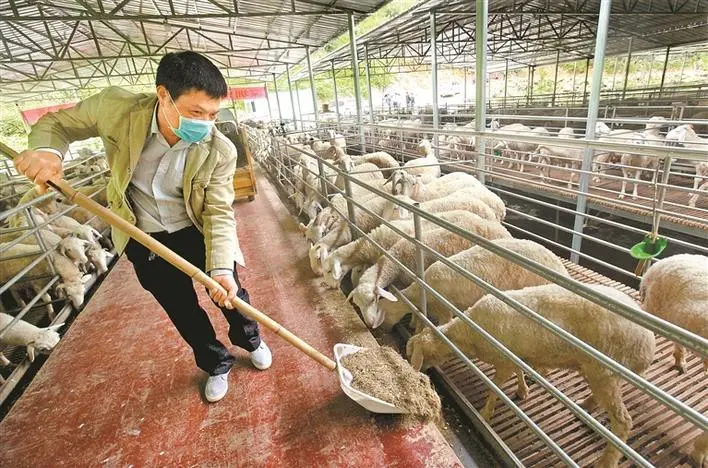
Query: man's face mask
189	130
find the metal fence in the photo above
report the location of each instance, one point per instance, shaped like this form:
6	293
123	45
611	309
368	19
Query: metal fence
284	157
34	297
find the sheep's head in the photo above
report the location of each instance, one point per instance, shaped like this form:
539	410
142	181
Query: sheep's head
366	297
425	147
333	271
601	128
317	254
657	121
73	290
677	136
74	248
99	259
43	341
420	347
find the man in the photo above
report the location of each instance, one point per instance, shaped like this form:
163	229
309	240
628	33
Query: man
171	175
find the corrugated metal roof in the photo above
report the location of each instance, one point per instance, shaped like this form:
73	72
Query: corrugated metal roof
67	44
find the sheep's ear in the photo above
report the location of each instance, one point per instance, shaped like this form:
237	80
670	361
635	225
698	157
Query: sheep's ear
62	250
387	295
54	327
301	227
318	207
31	352
85	279
84	242
351	295
416	357
96	233
322	252
390	178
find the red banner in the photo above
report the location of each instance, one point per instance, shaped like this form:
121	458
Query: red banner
251	92
31	116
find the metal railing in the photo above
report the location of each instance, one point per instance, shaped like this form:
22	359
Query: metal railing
280	164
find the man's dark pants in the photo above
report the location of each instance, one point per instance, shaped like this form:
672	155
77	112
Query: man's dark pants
175	293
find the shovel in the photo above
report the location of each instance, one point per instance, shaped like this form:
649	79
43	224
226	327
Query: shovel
340	350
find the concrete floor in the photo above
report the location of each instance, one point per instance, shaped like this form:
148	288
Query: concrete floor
121	389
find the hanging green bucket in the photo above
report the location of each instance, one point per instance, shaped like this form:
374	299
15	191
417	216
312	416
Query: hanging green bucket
649	248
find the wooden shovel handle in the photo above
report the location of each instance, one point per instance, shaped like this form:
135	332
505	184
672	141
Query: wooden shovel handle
192	271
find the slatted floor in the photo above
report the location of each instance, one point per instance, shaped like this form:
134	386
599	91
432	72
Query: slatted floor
659	435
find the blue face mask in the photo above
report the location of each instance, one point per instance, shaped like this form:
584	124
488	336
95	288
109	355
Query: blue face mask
190	130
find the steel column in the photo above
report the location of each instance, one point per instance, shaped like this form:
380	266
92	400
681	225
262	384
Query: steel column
299	105
368	82
277	98
585	84
481	8
529	95
355	69
292	99
336	96
555	79
506	79
581	206
312	87
434	76
663	71
626	68
270	114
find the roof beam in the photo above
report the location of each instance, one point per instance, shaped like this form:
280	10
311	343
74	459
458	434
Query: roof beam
97	16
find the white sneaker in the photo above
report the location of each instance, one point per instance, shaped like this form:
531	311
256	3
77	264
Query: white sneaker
262	357
216	387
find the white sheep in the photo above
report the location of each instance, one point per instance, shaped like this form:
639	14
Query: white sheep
686	136
416	188
694	198
385	272
676	290
35	339
381	159
616	337
71	283
66	226
462	292
558	155
98	257
476	199
427	166
364	253
335	139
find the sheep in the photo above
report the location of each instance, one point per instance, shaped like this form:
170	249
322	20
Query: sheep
84	216
321	148
476	199
676	289
427	166
71	283
336	139
35	339
694	198
685	135
616	337
514	147
66	226
639	163
559	155
363	172
372	283
340	231
700	451
363	252
604	134
462	292
415	188
381	159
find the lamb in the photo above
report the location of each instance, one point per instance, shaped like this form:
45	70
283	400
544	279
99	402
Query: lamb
694	198
66	226
362	252
616	337
381	159
372	283
639	163
71	247
676	290
462	292
364	172
98	257
476	199
321	148
604	134
37	340
71	283
516	148
84	216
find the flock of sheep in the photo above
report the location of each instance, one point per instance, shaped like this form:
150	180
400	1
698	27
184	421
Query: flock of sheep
675	288
76	246
546	156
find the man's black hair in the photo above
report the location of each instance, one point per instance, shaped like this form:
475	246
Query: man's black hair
181	72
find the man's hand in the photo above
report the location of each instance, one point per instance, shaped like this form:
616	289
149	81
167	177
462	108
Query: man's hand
229	284
39	167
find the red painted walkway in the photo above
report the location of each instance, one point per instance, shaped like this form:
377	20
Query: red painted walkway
122	390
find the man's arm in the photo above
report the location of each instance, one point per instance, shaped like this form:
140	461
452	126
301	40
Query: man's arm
220	227
50	138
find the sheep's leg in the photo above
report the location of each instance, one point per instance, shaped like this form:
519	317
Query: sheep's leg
589	404
572	176
608	392
48	304
503	373
696	181
679	358
637	176
4	362
522	390
625	176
